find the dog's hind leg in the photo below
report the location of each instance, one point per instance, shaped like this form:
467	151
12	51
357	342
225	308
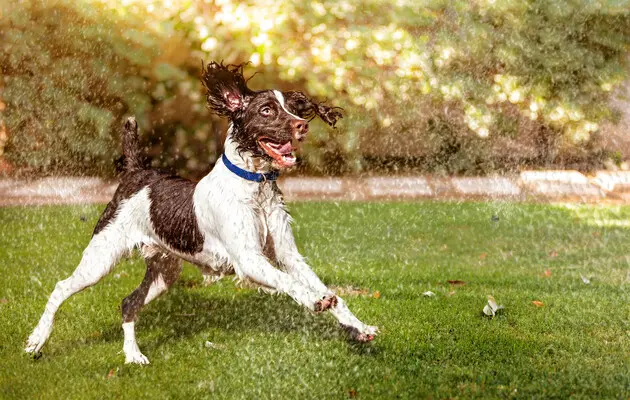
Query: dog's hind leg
162	271
100	256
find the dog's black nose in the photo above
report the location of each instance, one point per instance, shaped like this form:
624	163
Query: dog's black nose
300	128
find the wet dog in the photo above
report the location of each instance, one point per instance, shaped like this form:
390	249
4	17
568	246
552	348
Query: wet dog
233	221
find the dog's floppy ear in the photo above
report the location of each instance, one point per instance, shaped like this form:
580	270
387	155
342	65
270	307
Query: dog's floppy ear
227	91
302	106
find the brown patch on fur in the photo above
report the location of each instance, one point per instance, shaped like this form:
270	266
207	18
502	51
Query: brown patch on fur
171	210
326	303
173	216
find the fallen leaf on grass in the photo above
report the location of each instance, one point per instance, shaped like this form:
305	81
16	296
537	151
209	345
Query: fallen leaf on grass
111	373
538	303
376	295
4	301
428	294
553	254
492	307
483	256
456	282
547	273
352	393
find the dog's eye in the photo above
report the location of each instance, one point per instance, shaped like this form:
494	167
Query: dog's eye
266	111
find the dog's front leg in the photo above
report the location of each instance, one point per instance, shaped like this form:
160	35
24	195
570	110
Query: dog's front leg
289	257
296	266
255	267
287	253
241	238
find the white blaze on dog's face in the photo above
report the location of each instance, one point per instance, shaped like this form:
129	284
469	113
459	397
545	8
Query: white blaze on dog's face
270	126
268	123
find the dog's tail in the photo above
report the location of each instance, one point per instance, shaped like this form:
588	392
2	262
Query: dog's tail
132	159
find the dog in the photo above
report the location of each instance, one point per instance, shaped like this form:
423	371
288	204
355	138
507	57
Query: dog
233	221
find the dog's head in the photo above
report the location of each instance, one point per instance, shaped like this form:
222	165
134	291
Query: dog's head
266	123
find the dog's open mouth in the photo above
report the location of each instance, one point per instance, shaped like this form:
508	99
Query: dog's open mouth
282	153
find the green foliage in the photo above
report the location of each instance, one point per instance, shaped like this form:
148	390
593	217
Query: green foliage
72	69
68	74
455	154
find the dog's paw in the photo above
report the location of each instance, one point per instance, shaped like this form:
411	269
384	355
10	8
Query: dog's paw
363	335
35	342
33	348
328	301
136	357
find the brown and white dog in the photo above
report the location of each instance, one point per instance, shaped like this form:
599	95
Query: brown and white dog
233	221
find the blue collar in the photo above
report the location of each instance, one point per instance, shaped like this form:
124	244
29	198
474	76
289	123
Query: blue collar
250	176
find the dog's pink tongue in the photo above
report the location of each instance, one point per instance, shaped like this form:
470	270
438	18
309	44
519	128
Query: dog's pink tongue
286	148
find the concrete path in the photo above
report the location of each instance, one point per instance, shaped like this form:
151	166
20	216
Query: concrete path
546	186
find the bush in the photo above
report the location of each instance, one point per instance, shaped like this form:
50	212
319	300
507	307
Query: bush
507	73
68	73
72	71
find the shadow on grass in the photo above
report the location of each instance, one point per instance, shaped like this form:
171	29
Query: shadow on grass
182	313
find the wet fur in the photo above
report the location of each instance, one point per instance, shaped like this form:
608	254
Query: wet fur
224	224
227	82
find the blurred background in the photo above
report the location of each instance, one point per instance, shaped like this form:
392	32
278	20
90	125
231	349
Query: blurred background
469	87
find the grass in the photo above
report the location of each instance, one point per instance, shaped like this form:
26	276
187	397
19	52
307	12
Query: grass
576	345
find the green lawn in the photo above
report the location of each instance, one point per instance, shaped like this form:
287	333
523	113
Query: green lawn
576	345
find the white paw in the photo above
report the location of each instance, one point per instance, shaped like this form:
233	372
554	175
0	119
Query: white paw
32	347
136	357
371	330
36	341
365	333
